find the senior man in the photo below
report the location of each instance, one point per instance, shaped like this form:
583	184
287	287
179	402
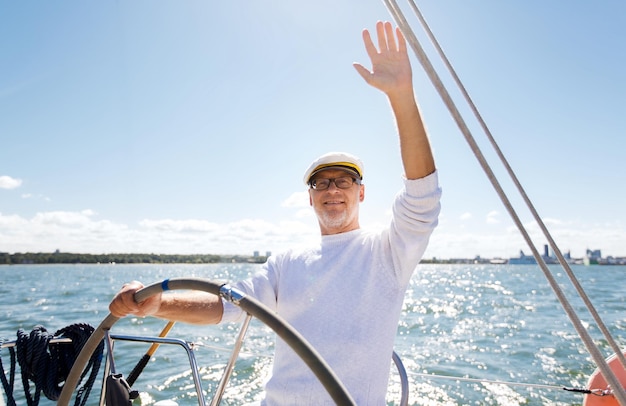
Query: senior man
344	294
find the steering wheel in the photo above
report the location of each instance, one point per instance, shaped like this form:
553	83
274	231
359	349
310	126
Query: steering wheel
295	340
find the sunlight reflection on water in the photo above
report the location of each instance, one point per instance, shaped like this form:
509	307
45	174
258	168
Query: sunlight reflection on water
484	322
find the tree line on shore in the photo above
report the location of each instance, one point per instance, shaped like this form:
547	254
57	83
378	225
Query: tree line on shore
74	258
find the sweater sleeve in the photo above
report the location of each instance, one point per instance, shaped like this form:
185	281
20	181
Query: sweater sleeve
415	216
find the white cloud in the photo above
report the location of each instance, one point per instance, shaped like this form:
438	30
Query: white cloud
64	218
84	232
305	213
31	196
11	223
7	182
493	217
297	199
462	243
465	216
179	226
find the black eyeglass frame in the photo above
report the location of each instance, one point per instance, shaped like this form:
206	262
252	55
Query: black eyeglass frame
313	182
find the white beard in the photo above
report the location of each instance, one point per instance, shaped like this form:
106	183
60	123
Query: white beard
333	221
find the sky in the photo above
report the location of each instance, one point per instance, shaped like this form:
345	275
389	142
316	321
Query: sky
185	126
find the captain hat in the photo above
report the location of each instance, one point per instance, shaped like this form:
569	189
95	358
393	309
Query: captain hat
335	160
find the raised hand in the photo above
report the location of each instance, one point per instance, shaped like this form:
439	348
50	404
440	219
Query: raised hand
391	68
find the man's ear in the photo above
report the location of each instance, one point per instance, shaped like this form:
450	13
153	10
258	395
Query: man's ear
310	199
362	193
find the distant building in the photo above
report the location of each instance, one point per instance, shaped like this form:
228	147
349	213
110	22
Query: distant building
592	257
524	259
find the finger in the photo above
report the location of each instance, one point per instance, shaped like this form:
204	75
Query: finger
401	40
391	40
118	307
380	32
363	71
124	302
123	306
369	44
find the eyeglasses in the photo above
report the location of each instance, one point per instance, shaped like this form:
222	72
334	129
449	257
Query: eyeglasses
342	182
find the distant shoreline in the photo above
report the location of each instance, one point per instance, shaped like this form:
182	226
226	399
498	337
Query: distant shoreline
57	257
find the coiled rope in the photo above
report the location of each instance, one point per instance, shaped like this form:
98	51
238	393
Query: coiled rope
48	366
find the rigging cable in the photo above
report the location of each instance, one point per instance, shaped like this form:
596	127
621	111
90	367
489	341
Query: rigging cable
401	21
585	391
490	381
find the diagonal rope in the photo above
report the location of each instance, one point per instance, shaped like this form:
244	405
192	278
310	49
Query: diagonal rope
401	21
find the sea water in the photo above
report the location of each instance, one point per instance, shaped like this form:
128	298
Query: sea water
468	334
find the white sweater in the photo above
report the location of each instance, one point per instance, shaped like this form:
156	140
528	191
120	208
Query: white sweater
345	297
